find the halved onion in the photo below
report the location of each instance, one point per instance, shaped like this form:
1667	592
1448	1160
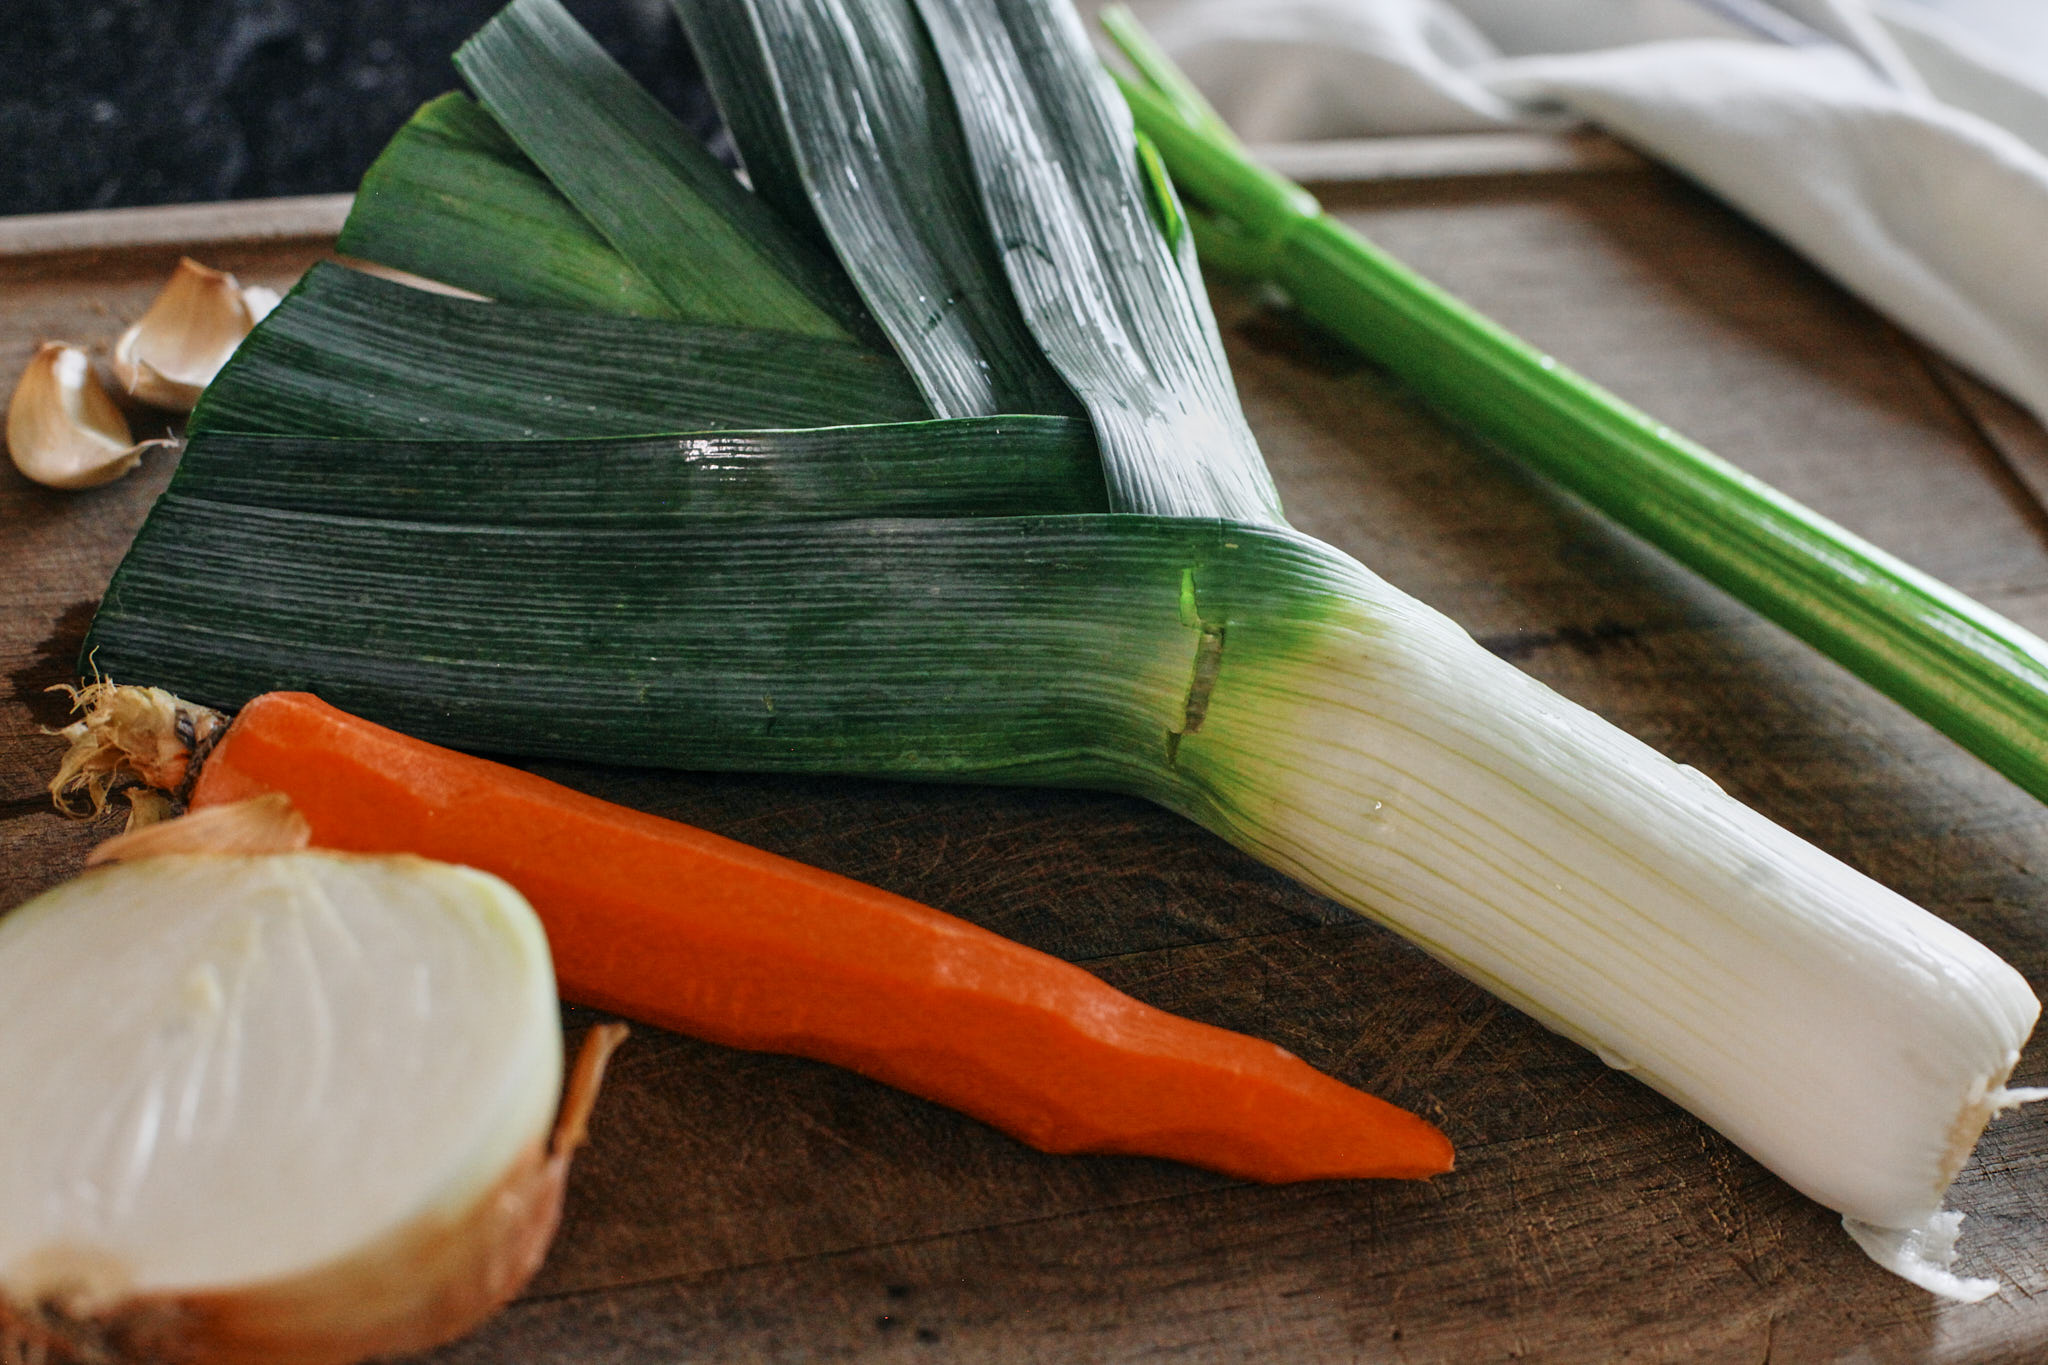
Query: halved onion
291	1108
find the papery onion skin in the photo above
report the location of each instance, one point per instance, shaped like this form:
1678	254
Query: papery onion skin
418	1287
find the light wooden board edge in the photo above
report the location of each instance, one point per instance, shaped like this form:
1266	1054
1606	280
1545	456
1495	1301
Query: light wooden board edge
2009	429
304	218
314	216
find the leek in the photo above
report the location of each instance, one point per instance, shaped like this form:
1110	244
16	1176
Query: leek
1189	649
714	251
866	147
1115	304
1253	679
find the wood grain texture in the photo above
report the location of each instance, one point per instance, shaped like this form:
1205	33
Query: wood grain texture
740	1207
266	222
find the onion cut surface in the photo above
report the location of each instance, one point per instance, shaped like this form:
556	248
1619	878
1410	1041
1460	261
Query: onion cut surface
232	1083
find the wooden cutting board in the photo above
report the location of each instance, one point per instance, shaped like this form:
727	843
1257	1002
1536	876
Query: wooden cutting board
737	1207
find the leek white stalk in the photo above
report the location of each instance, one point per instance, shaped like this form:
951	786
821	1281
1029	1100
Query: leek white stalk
1850	1041
290	1107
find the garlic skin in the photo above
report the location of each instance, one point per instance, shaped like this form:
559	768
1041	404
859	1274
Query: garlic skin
169	357
289	1108
63	431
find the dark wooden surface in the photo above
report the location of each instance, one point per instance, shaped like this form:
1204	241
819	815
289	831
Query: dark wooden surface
737	1207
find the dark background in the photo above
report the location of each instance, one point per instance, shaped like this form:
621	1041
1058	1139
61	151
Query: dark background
105	103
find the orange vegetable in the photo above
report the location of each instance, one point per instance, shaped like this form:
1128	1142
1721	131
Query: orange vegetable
679	927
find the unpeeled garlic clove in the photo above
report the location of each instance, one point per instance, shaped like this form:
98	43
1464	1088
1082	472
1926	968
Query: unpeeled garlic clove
62	428
168	357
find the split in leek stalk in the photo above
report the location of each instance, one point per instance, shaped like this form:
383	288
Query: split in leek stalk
1249	677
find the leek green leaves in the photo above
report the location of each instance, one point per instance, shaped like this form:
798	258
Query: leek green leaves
347	354
713	250
452	198
865	144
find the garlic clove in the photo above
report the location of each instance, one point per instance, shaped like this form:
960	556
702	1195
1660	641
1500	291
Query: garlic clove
169	357
63	430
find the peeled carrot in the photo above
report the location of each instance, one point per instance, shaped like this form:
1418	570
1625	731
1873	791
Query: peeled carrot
662	922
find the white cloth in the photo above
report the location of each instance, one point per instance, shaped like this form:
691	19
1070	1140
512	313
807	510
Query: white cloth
1902	145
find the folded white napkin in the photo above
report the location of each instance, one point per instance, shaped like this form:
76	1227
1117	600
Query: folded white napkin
1902	145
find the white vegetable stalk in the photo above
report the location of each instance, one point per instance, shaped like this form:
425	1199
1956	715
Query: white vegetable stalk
284	1108
1850	1041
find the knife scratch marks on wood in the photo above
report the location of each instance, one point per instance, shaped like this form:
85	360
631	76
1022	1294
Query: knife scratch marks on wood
1731	1212
1430	1052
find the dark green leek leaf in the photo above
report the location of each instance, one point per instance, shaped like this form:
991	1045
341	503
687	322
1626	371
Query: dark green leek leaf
1056	649
454	199
351	355
846	98
980	466
714	250
1115	305
727	50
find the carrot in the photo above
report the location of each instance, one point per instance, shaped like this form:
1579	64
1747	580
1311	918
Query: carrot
661	922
